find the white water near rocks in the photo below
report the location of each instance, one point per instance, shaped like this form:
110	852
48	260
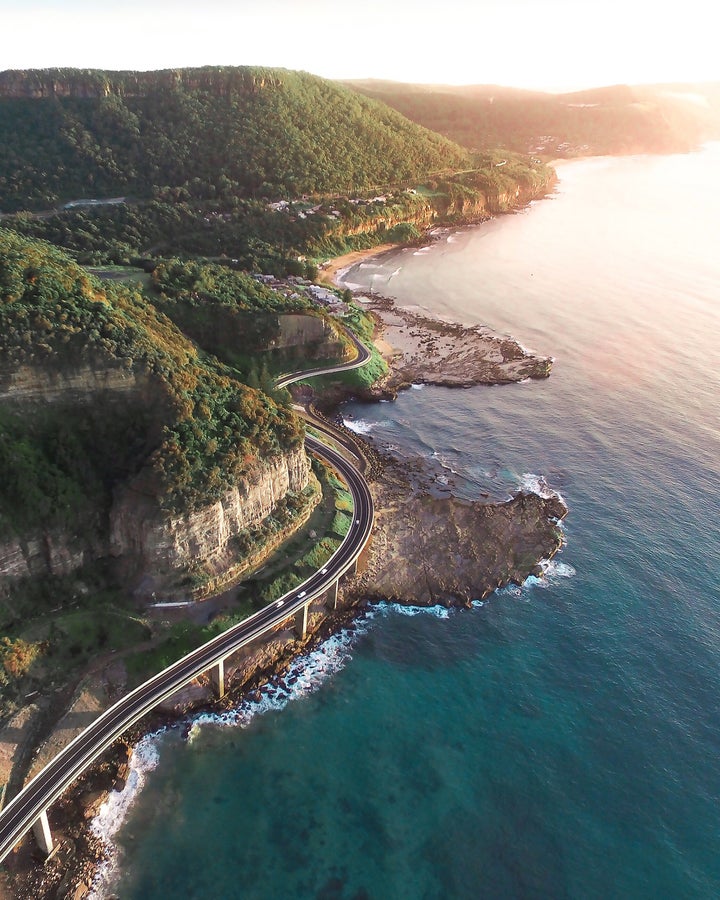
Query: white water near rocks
558	740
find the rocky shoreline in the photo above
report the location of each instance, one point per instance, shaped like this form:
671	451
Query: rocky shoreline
490	544
421	349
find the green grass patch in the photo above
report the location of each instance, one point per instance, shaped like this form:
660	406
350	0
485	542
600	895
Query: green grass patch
280	585
344	501
315	558
341	524
80	635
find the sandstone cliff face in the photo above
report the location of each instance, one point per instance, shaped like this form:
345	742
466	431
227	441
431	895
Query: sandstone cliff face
48	553
423	216
461	209
163	545
147	540
80	385
298	330
154	546
95	83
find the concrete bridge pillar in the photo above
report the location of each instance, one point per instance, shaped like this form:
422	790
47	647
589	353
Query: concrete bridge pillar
217	676
301	621
331	599
43	835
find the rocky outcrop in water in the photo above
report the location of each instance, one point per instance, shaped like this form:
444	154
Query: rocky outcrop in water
427	550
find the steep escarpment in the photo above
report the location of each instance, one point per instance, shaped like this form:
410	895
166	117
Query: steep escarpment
116	436
95	84
241	320
84	384
270	169
473	195
203	542
220	131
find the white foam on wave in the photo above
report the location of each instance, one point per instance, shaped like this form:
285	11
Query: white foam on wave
359	426
537	484
385	608
144	758
305	675
111	815
417	387
451	239
552	572
554	569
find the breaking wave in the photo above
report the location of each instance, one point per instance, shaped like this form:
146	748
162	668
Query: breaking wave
305	675
552	572
359	426
111	815
536	484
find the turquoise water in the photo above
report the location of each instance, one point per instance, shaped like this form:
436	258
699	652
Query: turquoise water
559	741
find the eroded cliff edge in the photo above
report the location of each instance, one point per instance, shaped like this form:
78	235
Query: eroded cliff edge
155	548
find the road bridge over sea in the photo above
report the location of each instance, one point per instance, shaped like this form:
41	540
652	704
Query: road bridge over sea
28	809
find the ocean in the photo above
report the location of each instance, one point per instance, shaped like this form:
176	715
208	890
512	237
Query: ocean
559	740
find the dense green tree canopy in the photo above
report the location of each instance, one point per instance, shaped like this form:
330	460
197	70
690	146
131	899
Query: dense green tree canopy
196	431
246	132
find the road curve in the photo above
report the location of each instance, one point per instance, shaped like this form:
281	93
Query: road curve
19	814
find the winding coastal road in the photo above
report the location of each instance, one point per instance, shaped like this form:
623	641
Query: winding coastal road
35	798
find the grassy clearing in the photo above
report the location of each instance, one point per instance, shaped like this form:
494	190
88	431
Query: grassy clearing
53	628
341	523
318	555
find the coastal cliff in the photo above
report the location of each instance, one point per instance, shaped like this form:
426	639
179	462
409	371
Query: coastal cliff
119	439
84	384
95	84
162	547
157	548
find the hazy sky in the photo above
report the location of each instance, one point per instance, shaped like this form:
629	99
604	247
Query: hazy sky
545	44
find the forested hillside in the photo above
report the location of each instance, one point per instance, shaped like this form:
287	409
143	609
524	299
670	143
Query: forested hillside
265	169
619	119
205	133
258	236
189	424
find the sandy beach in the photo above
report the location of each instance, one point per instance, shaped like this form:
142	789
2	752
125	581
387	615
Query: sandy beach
332	271
420	348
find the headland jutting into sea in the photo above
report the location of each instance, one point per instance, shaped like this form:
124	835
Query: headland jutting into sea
417	518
